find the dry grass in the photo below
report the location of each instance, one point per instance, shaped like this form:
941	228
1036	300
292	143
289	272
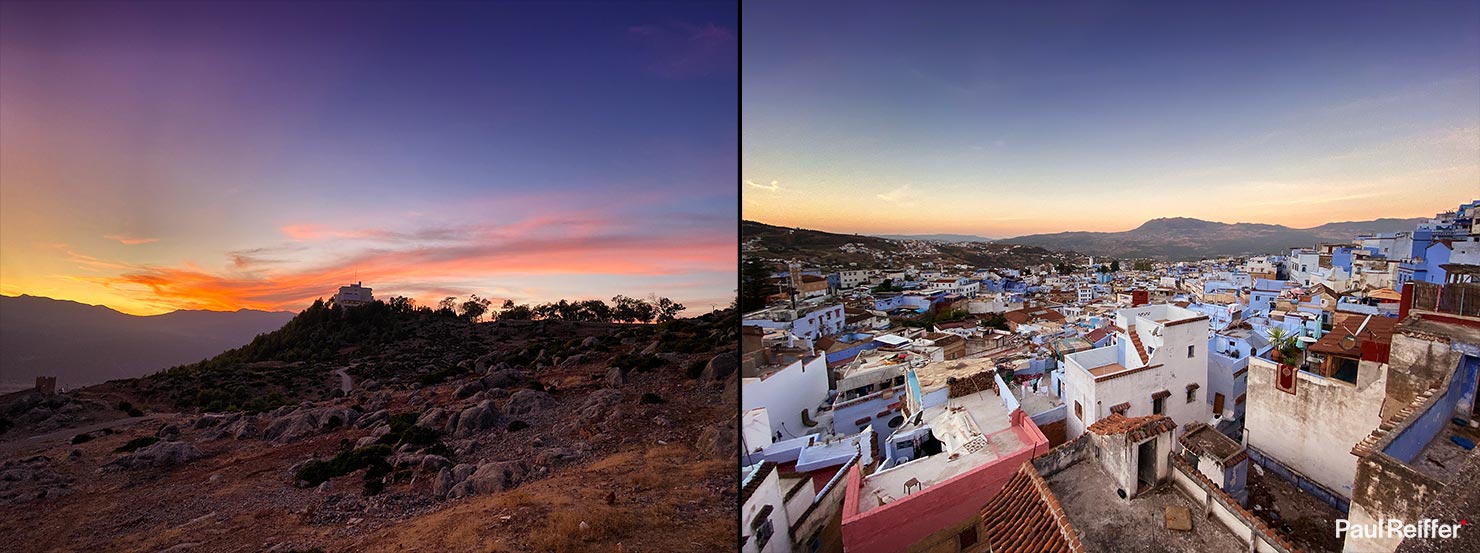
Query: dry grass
562	530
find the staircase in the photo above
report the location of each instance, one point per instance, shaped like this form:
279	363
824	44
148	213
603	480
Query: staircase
1140	348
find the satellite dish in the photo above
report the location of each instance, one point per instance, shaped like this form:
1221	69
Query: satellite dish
1349	342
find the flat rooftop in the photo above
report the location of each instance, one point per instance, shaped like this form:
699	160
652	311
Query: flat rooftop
934	375
976	430
1441	457
1107	523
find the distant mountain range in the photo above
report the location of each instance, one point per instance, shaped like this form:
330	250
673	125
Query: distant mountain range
828	248
84	344
1181	238
947	238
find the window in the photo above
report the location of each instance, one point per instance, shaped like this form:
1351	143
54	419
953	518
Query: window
1078	411
966	538
1158	406
814	545
1190	350
763	528
1191	395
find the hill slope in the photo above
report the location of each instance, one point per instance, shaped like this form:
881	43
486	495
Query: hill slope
1181	238
503	436
827	248
84	344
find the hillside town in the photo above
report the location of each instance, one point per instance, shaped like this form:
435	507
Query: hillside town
1295	401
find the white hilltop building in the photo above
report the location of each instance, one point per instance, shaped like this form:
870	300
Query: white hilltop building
354	294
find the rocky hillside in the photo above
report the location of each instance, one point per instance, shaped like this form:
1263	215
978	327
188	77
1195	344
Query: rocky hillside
838	250
393	433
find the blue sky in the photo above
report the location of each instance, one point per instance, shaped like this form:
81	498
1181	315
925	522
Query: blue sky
1011	118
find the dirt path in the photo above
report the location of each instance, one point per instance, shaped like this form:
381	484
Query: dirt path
46	440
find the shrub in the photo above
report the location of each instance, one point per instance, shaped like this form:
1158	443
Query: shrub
136	443
370	456
404	431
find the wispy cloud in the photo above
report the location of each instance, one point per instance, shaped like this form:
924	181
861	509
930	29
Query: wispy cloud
130	240
467	258
686	50
775	186
894	196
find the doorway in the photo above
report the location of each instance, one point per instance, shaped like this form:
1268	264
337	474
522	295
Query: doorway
1217	405
1145	465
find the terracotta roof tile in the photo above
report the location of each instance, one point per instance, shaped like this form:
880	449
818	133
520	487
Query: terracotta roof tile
1135	428
1026	517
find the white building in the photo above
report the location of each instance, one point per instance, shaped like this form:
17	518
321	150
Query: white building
1157	365
352	295
784	387
766	528
854	278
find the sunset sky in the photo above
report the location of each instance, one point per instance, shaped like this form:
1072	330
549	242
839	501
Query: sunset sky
164	156
1010	118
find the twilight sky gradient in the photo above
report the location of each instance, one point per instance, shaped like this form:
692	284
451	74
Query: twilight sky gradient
1011	118
164	156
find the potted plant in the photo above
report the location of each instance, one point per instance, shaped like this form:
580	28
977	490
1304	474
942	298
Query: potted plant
1285	345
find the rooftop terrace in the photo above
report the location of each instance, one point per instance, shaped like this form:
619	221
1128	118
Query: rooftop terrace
976	429
1107	523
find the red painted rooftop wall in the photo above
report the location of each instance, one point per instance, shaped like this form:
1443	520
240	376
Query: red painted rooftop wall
896	526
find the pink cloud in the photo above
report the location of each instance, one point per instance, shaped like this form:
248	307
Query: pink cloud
130	240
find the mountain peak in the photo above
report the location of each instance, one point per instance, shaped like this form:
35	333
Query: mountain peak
1176	223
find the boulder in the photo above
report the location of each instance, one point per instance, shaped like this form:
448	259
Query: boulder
555	456
496	393
476	418
168	431
369	420
307	422
528	401
599	406
442	483
435	463
589	342
462	471
651	349
497	476
572	361
435	418
721	366
616	377
467	390
159	454
501	379
482	363
719	439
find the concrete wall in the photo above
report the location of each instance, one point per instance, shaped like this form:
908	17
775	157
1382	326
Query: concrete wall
1225	510
823	520
1313	431
802	385
769	493
1387	489
1416	365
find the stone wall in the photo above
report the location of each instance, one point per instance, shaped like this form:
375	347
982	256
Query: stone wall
1313	431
